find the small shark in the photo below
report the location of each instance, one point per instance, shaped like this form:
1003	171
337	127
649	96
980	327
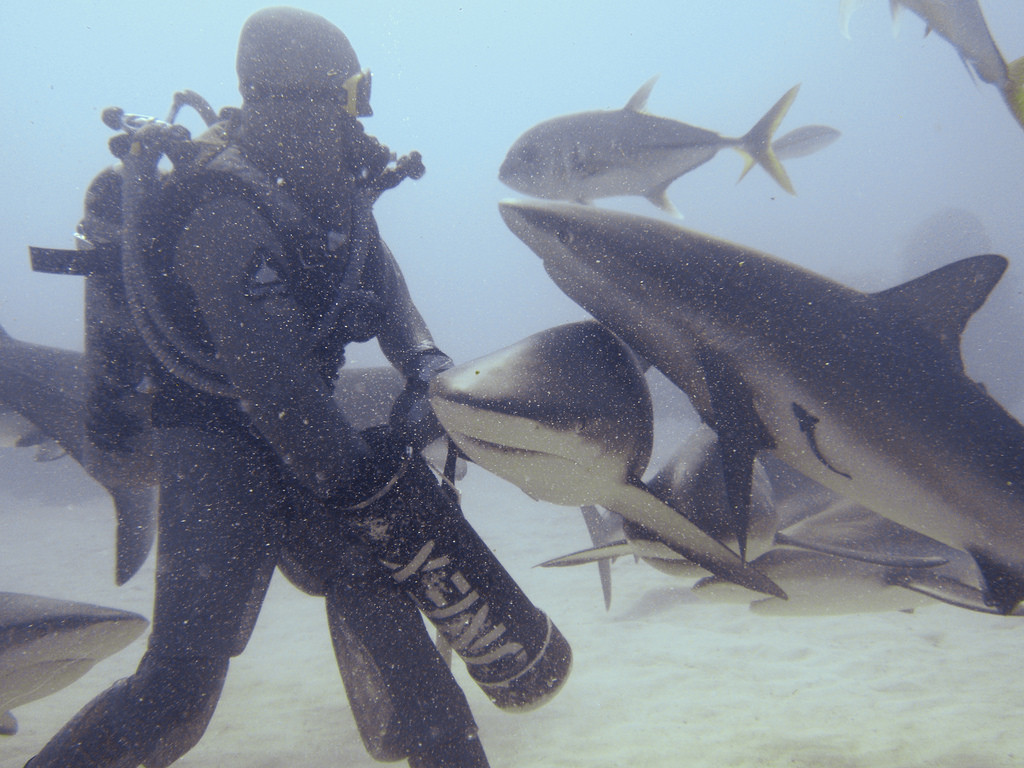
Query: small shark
864	393
42	397
847	559
819	584
566	415
829	555
47	644
606	153
962	24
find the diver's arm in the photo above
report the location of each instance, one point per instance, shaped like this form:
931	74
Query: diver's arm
408	345
404	337
264	346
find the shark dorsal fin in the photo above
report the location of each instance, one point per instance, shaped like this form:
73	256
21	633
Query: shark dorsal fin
638	101
945	299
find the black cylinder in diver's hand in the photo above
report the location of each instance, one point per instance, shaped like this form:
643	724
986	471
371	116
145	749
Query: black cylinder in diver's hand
511	648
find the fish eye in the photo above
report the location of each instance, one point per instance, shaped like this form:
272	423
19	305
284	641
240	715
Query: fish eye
565	236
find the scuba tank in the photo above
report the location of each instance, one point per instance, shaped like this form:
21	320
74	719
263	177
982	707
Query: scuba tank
118	363
116	360
416	528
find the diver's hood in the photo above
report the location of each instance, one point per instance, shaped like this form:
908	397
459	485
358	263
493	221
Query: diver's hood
286	52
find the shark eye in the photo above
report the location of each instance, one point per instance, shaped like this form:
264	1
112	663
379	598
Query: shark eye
565	236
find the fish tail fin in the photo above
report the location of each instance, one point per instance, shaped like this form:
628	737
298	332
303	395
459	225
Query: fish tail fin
896	9
846	9
757	144
748	163
1014	94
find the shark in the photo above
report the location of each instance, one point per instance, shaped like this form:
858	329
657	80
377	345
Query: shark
844	558
566	415
865	393
47	644
42	405
606	153
830	555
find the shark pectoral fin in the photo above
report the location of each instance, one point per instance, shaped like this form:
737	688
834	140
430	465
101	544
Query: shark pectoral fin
892	560
950	591
601	529
659	197
1004	588
741	435
8	725
592	555
638	505
136	528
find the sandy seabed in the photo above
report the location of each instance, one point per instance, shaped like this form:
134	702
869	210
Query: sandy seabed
662	679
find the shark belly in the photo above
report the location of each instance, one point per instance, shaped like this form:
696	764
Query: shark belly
907	473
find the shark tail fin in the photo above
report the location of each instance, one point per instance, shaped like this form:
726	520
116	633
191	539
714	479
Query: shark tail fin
1014	94
757	144
136	528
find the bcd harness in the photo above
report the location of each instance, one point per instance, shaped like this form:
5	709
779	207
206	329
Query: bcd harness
134	212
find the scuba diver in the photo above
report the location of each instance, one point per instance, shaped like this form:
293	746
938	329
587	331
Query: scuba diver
247	270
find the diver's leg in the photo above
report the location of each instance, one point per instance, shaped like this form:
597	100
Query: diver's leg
161	710
217	548
464	753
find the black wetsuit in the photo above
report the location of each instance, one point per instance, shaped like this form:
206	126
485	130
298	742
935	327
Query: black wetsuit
252	482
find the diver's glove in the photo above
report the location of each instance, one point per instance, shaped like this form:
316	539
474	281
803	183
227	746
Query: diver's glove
412	420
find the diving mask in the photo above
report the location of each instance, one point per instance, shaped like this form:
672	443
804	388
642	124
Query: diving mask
357	88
